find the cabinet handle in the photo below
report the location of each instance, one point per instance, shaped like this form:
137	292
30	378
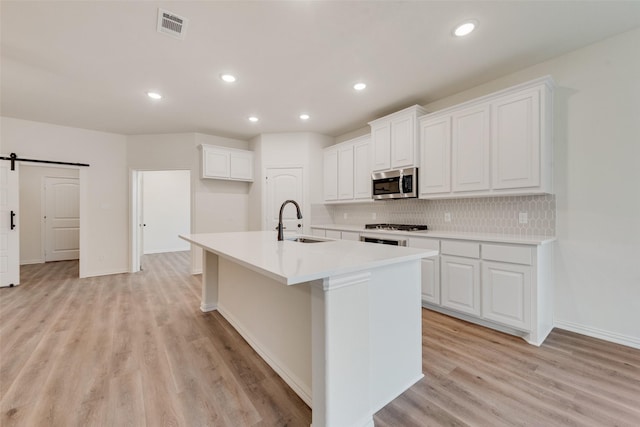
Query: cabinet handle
13	225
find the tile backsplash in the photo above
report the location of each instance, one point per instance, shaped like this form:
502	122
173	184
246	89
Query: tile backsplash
479	215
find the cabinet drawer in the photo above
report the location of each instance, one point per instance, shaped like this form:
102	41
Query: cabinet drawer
350	235
465	249
432	244
333	234
506	253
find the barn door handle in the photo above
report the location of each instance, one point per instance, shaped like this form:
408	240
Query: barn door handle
13	225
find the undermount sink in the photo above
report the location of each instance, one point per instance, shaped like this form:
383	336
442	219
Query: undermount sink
307	240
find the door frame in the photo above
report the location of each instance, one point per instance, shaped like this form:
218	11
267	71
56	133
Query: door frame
83	179
135	204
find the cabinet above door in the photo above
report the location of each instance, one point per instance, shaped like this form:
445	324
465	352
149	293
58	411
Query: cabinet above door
226	163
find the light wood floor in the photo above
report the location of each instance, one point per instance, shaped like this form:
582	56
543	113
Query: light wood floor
136	350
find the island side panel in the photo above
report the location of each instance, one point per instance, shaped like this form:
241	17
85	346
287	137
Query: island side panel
209	300
341	351
395	330
275	319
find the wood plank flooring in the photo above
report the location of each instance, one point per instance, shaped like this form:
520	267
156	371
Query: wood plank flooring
134	349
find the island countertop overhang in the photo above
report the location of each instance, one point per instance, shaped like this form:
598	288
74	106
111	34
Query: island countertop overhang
292	263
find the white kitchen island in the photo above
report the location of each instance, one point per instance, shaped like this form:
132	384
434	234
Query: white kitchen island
339	321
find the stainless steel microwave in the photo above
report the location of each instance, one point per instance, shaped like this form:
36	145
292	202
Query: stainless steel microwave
395	184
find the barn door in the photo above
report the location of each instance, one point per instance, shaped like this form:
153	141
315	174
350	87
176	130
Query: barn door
9	226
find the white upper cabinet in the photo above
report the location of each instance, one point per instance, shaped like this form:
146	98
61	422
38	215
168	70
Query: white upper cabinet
241	165
435	155
226	163
394	139
501	144
381	145
362	168
516	140
347	170
331	174
470	144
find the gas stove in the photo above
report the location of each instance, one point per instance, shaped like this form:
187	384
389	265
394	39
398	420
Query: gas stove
396	227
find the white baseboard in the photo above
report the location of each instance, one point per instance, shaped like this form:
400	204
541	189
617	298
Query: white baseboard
598	333
32	261
164	251
106	273
292	380
196	271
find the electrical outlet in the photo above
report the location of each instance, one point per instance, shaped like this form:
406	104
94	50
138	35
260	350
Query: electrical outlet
523	218
345	215
447	217
374	215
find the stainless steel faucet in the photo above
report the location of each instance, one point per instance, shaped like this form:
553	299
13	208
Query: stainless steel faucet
280	227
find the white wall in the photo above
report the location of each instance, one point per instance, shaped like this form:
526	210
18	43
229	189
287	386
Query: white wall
166	208
31	209
294	149
597	182
103	186
216	205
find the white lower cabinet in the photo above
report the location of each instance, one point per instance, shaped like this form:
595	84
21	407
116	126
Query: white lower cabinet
430	270
350	235
461	284
333	234
506	294
318	232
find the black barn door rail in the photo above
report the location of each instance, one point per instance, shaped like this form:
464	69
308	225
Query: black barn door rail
14	158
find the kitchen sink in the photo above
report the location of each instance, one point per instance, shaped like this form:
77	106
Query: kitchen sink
307	240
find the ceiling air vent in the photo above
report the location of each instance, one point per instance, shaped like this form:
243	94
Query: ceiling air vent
171	24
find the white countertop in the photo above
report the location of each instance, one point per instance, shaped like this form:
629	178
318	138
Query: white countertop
293	262
458	235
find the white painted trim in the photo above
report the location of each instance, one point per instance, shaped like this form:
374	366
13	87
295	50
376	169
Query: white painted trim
205	308
32	261
292	380
337	282
196	271
104	273
598	333
164	251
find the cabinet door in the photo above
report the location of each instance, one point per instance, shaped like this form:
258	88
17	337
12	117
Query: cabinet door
331	174
515	142
345	172
319	232
241	165
350	235
435	154
215	163
403	135
471	149
381	140
431	280
333	234
362	170
506	294
460	288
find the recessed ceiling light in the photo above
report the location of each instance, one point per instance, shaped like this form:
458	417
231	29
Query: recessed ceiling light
253	119
229	78
465	28
154	95
359	86
304	117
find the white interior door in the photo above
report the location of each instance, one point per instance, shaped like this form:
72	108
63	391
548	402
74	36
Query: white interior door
9	225
284	184
62	219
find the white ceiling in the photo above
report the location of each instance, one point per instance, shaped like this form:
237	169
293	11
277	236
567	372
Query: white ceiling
89	64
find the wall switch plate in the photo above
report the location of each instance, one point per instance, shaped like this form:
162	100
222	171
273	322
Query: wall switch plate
373	215
523	218
345	215
447	217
